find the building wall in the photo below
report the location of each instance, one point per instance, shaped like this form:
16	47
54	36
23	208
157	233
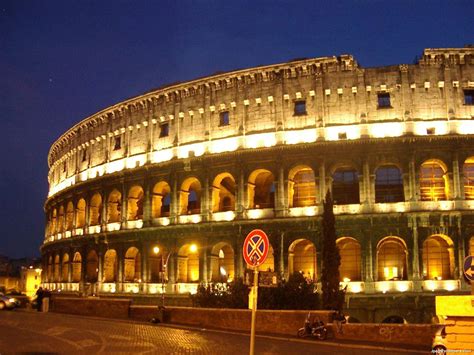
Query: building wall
352	117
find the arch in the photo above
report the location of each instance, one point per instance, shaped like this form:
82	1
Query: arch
302	258
110	266
95	210
56	268
433	181
188	264
81	213
438	258
69	216
61	219
223	193
392	259
190	196
345	186
155	262
349	250
301	187
261	189
135	203
388	184
468	173
65	267
222	263
114	205
161	200
54	221
92	266
50	269
132	265
394	319
76	267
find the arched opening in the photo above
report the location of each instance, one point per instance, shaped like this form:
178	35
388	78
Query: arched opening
69	216
349	250
188	263
388	184
110	266
269	264
114	207
438	258
76	267
161	200
394	320
65	268
135	203
468	172
190	196
222	263
50	269
392	259
56	268
54	222
156	258
61	219
81	213
223	193
132	267
345	186
261	189
95	210
301	187
433	181
302	259
92	267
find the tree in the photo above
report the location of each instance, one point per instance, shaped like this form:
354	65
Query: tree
333	297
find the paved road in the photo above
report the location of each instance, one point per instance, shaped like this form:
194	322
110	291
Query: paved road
33	332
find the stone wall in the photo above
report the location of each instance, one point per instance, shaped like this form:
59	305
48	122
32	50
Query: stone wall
107	308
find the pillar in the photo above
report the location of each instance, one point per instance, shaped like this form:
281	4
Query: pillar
457	191
147	204
203	271
240	207
124	210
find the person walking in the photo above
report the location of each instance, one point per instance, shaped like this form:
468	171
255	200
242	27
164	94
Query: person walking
39	299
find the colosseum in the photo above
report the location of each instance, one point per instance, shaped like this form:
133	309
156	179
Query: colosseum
156	194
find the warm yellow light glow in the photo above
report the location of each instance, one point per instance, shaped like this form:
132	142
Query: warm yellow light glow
422	128
114	166
156	250
389	129
193	248
111	227
301	136
260	140
135	224
163	221
223	216
162	155
346	279
224	145
255	214
402	286
136	161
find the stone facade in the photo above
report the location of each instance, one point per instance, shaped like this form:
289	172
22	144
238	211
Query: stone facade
158	192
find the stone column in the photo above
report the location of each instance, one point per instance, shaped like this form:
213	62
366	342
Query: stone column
283	269
241	204
417	280
238	259
369	268
144	272
174	208
69	267
280	200
457	191
87	221
172	268
120	274
364	188
413	180
206	203
100	273
203	271
147	204
124	210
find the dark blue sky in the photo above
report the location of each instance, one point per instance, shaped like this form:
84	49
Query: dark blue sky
61	61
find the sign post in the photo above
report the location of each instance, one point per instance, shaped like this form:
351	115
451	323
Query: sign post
255	251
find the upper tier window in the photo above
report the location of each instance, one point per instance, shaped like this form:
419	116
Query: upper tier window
224	118
383	100
164	130
117	143
468	97
300	108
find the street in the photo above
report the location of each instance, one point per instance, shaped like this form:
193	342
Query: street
34	332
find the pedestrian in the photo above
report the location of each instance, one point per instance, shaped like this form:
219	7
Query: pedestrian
339	319
39	299
46	298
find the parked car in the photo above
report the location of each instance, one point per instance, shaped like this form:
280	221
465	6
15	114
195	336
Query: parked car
7	302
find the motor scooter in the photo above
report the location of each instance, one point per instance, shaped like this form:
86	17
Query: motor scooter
315	328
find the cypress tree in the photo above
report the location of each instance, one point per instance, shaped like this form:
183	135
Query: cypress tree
331	259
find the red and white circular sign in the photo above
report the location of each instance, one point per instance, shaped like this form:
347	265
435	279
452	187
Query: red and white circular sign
255	249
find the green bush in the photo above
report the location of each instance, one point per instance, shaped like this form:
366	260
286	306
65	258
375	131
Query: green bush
296	293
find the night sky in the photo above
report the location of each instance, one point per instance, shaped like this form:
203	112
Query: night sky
61	61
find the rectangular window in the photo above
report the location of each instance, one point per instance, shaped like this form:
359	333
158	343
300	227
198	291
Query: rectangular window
224	118
383	100
300	108
164	130
117	143
431	130
468	97
342	135
84	155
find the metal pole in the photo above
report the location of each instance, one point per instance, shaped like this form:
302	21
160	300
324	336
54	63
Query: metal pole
254	310
162	282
